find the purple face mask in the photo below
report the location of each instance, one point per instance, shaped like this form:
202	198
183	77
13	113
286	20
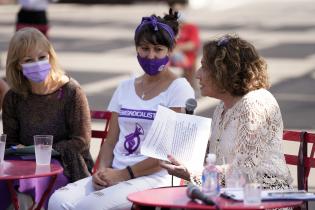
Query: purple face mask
152	66
36	71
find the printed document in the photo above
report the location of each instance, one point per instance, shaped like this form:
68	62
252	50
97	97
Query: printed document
237	194
181	135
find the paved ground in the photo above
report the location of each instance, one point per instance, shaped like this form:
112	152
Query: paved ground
95	46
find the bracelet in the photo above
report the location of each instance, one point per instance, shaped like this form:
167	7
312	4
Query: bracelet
131	174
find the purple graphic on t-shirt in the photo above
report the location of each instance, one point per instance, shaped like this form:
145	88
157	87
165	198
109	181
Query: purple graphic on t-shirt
132	141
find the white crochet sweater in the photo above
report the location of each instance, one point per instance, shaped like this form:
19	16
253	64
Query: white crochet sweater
248	137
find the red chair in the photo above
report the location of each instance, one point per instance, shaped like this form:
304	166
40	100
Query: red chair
303	162
100	134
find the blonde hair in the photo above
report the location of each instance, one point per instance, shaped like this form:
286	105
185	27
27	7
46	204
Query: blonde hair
21	43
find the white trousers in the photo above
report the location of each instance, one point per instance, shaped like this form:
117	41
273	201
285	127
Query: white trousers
81	195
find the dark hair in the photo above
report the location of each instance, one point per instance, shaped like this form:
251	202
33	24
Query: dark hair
147	33
172	2
235	66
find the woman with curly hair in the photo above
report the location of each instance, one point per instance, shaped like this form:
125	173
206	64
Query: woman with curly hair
247	125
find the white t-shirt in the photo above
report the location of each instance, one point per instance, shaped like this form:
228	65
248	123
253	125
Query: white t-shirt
136	116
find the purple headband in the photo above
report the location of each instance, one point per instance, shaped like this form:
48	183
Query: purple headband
223	41
155	23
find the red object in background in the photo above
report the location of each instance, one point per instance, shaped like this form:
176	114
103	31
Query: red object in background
188	33
100	134
175	197
11	170
302	160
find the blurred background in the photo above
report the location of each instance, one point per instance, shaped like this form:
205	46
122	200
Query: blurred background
94	42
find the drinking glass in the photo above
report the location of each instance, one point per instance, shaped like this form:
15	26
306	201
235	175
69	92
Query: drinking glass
42	169
43	147
3	138
252	189
234	179
252	194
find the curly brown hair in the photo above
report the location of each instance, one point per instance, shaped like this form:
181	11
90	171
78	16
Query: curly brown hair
234	65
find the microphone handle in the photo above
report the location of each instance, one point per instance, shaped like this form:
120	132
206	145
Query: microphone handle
189	112
208	201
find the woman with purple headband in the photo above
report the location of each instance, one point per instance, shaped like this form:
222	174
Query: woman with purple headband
123	169
247	125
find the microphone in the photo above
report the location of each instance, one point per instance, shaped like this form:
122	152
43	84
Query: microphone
191	105
193	192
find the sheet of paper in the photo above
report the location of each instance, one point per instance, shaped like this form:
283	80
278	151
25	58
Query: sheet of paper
181	135
237	194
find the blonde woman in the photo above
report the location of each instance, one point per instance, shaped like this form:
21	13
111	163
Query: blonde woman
43	100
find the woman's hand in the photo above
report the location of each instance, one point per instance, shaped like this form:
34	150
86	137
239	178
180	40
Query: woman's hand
175	168
109	177
114	176
98	182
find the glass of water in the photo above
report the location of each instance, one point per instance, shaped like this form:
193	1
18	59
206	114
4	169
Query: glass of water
234	178
252	194
43	147
3	138
252	189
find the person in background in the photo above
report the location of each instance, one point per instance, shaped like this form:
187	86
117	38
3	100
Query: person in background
43	100
185	53
247	126
123	169
33	14
3	90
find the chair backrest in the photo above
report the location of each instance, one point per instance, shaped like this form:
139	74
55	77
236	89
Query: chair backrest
100	134
303	162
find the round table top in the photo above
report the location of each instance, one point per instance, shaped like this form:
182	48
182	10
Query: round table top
23	169
175	197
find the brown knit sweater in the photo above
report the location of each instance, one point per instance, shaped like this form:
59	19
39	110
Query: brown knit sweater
64	114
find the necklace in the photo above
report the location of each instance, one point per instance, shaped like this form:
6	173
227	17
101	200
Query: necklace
227	115
222	126
221	129
145	92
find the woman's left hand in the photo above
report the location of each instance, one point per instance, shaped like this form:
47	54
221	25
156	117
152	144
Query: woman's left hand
98	182
114	176
175	168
